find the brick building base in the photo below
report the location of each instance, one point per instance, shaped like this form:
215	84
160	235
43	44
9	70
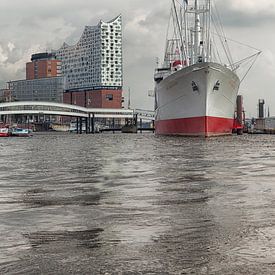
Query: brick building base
94	98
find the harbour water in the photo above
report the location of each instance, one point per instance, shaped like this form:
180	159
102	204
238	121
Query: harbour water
137	204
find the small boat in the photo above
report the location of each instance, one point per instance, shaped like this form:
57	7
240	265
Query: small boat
5	132
20	132
60	127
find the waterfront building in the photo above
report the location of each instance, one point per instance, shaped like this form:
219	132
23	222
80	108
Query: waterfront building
43	65
93	66
41	89
87	74
44	80
5	95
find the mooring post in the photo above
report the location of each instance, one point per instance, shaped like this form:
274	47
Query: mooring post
136	120
93	123
140	124
240	114
153	124
86	125
89	122
80	128
113	125
28	122
77	125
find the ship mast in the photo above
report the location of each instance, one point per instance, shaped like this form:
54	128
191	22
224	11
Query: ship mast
182	46
186	35
200	35
197	38
193	41
208	22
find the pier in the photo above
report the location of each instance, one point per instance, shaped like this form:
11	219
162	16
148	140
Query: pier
83	116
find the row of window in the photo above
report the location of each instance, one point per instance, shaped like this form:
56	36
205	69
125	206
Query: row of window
82	63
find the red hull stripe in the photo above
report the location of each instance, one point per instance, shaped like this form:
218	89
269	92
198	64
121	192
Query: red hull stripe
195	126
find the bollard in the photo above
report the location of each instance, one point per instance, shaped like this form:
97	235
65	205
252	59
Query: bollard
77	125
80	126
89	122
113	125
86	125
93	123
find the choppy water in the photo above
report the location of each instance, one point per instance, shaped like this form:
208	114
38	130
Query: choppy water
137	204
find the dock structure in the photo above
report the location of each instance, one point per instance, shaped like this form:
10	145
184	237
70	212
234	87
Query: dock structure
83	115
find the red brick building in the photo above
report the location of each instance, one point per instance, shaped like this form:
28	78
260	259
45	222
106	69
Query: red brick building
91	69
43	65
94	98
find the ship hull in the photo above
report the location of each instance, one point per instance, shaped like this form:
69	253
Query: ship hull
198	100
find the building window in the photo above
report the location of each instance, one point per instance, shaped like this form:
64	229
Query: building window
109	97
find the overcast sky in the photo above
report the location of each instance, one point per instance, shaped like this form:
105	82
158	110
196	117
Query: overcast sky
29	26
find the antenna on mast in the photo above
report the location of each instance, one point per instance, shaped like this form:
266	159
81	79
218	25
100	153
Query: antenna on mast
197	32
186	34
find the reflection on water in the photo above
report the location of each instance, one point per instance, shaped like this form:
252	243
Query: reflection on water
87	238
137	204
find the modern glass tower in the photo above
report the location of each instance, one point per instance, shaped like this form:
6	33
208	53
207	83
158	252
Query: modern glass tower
94	66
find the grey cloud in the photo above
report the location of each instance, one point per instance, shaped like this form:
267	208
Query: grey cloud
243	18
156	19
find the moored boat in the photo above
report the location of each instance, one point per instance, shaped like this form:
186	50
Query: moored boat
5	132
195	91
60	127
21	132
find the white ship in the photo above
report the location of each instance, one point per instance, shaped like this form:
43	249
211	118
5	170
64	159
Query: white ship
195	93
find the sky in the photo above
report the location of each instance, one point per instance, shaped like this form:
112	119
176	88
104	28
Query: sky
30	26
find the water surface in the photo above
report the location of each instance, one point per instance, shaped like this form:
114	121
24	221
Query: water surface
137	204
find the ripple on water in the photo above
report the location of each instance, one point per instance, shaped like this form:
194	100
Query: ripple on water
137	204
